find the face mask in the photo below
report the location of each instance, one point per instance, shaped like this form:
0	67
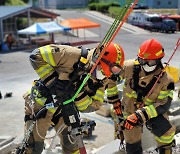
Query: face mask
99	75
149	68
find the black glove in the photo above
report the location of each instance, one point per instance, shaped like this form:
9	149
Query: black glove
93	86
42	89
115	77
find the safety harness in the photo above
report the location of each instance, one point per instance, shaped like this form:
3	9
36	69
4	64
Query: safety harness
141	91
78	67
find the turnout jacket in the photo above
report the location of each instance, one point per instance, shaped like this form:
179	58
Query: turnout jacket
136	88
62	60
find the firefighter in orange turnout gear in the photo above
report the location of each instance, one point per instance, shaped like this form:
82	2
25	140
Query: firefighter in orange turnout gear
56	66
140	75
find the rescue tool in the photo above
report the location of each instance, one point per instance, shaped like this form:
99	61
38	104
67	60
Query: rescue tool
100	50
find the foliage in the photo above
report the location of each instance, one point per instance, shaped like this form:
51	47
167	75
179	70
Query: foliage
114	11
14	2
102	7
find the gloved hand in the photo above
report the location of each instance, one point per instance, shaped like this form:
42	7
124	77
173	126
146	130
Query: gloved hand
93	87
132	121
42	89
117	108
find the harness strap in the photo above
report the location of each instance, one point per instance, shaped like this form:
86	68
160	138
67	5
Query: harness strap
135	83
80	66
141	91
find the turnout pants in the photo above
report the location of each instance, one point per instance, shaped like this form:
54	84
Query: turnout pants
164	139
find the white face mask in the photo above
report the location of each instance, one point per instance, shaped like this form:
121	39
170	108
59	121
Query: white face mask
99	75
148	68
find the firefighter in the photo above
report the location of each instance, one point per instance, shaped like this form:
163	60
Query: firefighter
61	69
140	76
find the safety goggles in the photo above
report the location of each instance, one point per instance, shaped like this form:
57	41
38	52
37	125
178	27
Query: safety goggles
148	62
113	67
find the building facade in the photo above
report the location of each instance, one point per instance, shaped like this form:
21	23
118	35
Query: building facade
61	4
64	4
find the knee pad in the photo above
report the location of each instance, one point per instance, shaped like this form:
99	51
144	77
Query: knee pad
135	148
37	147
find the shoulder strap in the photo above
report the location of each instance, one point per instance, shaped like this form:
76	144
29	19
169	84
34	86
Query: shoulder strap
80	66
135	83
136	70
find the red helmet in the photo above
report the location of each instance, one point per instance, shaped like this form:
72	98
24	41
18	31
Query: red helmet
112	60
151	50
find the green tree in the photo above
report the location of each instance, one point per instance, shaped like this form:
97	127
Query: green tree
14	2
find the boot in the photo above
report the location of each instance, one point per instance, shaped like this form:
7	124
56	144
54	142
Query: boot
134	148
165	151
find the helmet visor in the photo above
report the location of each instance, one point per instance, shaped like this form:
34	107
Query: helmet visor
148	62
113	67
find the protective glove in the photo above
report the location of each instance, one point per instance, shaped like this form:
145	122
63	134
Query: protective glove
93	87
132	121
117	109
42	89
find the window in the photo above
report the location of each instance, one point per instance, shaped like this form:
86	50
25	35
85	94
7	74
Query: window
158	3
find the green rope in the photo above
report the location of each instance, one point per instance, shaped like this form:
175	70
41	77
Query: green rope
79	89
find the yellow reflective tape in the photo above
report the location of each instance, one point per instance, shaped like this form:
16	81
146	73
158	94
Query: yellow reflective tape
136	62
99	96
83	105
165	139
47	55
171	93
44	70
76	152
29	91
158	53
148	101
151	111
132	95
41	101
119	55
52	62
165	94
83	60
112	91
